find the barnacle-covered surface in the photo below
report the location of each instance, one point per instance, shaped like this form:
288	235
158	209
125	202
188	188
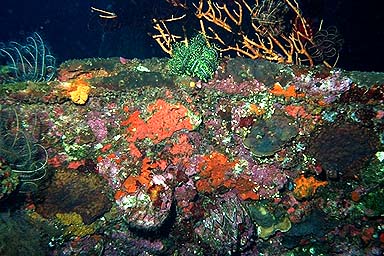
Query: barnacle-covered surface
262	159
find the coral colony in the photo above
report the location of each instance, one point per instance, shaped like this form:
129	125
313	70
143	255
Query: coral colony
197	154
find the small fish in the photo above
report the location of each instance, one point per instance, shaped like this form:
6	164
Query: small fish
123	60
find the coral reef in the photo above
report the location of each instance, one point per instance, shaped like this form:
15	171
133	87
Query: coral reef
263	158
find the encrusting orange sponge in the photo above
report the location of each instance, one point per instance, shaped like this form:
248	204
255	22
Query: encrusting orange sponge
306	187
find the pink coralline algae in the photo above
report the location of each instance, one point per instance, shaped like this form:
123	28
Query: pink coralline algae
125	243
98	127
269	179
185	195
192	167
330	88
241	117
110	171
230	86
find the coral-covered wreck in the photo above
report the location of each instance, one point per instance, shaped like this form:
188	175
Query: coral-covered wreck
125	158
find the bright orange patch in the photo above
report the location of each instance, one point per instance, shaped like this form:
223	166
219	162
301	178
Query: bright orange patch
255	109
76	164
204	186
78	91
55	161
106	147
306	187
249	195
119	194
355	196
166	119
213	171
182	147
134	151
297	111
154	192
130	185
287	93
245	187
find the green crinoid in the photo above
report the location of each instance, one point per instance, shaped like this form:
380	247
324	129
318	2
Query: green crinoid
197	58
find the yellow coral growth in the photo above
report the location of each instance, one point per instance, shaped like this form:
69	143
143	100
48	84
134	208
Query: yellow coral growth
283	226
79	91
74	225
306	187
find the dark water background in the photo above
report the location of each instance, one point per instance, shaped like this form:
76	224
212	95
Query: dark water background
73	31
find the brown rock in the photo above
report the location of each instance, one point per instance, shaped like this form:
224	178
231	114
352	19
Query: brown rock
75	192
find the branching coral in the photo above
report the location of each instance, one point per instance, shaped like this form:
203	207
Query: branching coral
267	29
